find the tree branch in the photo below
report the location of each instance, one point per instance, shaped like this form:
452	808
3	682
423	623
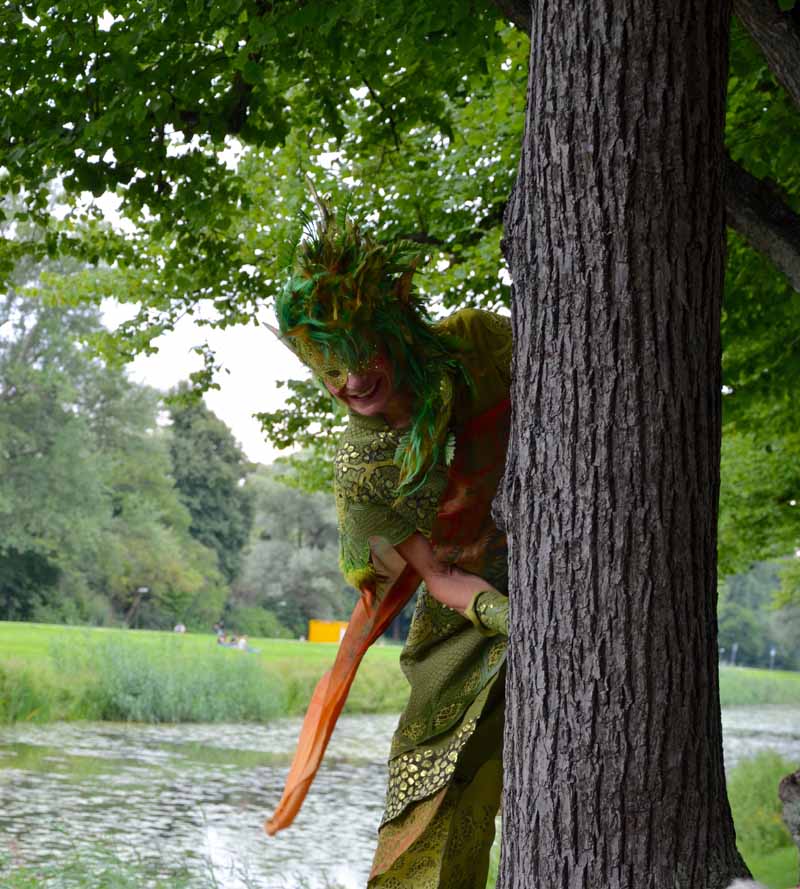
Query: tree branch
756	208
778	36
757	211
518	12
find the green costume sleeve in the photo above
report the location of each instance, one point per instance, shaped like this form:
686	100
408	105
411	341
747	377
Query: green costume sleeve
365	484
488	612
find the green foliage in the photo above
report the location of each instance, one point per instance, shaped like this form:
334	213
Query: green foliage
88	509
754	614
760	332
252	620
739	627
759	497
790	583
756	807
416	110
291	563
24	578
209	469
142	106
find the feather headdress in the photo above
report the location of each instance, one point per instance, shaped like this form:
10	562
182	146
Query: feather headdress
350	295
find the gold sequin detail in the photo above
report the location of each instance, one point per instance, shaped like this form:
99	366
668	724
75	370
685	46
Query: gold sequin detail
496	653
414	731
492	612
445	714
473	683
420	773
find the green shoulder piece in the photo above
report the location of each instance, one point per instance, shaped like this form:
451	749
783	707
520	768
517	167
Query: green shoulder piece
366	480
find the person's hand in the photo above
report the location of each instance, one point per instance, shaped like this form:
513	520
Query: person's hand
448	585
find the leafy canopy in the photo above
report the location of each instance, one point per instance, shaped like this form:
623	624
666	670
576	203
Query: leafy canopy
416	108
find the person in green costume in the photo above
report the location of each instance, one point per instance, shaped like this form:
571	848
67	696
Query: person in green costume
415	473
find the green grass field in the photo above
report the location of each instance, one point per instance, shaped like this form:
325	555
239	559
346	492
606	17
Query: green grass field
52	672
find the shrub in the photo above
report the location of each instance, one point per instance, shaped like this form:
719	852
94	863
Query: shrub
21	697
753	795
252	620
165	681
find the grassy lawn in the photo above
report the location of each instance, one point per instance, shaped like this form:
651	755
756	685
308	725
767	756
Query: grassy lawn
56	672
744	686
32	643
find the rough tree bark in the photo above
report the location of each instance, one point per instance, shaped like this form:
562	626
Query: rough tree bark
778	35
756	208
615	240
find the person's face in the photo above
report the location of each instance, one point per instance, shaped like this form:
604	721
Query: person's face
367	391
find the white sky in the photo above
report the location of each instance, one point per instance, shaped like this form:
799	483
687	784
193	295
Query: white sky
255	359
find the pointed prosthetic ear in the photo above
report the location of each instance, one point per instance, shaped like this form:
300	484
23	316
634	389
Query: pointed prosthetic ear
402	286
284	339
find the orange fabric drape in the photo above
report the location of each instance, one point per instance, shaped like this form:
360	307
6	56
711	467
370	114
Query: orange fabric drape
464	523
368	621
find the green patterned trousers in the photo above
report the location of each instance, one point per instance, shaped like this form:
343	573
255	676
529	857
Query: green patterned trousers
453	851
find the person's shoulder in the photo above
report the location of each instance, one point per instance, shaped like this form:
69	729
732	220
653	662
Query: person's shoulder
363	466
475	325
484	345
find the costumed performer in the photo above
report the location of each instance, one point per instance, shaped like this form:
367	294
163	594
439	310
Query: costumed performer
415	474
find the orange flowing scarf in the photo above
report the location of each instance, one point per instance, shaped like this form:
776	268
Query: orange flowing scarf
464	526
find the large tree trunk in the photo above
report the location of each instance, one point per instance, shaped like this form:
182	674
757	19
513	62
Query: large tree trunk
615	239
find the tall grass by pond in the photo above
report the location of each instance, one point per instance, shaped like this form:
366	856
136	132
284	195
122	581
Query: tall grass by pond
104	868
761	834
50	672
71	673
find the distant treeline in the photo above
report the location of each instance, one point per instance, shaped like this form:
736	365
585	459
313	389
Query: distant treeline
119	509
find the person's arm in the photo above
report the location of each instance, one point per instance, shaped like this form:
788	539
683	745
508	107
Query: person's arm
468	594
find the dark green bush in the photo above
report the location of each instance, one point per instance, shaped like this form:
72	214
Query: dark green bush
21	697
753	795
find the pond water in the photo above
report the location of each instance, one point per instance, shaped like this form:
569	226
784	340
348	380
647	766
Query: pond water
197	794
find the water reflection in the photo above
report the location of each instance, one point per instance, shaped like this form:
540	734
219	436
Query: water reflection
195	796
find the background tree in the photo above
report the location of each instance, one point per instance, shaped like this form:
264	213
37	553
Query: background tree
291	566
209	469
615	241
89	512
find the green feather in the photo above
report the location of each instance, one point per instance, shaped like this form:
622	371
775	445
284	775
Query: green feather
344	292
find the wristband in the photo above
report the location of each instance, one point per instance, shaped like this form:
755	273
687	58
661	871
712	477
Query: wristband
488	613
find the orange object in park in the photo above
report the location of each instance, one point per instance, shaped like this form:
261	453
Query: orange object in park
326	630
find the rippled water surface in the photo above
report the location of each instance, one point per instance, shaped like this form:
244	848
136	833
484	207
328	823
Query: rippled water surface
198	794
195	792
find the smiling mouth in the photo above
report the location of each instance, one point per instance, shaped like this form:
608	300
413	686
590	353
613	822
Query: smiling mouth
367	393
